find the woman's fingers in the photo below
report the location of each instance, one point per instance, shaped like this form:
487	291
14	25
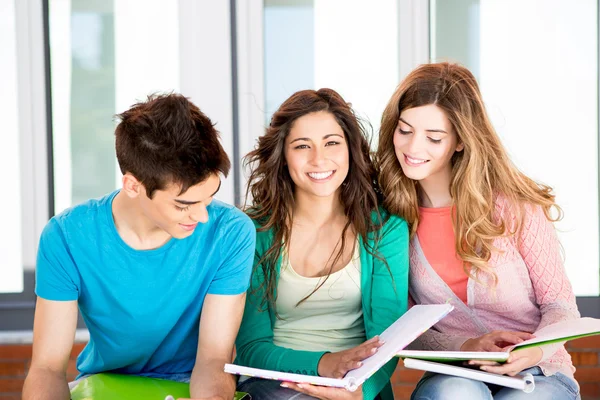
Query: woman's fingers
482	362
509	337
491	347
366	351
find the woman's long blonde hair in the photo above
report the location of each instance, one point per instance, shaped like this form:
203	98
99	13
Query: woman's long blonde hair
480	172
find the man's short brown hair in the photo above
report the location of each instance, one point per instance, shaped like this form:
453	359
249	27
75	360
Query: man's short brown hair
168	140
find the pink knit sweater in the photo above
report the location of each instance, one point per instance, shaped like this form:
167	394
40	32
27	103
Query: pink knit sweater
533	291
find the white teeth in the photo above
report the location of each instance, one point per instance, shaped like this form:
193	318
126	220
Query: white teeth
415	160
320	175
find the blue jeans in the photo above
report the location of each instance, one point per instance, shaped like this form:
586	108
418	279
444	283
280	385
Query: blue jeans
181	377
446	387
267	389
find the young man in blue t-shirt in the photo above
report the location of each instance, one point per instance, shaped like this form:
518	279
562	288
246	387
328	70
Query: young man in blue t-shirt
158	268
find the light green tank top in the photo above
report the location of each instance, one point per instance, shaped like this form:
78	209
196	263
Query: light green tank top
331	319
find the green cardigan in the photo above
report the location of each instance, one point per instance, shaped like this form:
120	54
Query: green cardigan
383	302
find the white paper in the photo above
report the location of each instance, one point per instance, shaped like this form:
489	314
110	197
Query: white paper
285	376
396	337
524	382
399	335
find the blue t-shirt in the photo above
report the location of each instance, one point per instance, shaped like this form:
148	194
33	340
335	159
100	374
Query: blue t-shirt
141	307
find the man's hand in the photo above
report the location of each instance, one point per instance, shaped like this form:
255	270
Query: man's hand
495	341
324	392
336	365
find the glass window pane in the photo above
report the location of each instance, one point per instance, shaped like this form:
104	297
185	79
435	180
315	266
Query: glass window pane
288	25
537	64
325	47
11	277
105	56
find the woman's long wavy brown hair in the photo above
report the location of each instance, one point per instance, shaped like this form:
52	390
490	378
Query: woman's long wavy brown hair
480	172
272	188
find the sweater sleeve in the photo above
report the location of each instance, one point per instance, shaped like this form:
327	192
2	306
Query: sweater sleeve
254	343
436	341
539	246
389	294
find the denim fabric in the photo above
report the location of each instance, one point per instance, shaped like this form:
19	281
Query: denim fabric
445	387
266	389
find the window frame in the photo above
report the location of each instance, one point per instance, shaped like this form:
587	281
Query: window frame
16	309
243	99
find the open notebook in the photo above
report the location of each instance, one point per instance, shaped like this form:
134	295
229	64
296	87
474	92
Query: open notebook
406	329
437	361
523	382
558	332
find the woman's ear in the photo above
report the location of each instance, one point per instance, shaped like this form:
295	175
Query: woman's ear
460	146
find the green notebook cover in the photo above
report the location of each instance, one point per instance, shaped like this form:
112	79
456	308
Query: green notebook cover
454	356
562	339
131	387
562	331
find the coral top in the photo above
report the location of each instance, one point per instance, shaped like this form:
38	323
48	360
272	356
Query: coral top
533	290
436	235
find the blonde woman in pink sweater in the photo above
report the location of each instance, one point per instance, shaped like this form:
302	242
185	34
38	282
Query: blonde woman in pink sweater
482	235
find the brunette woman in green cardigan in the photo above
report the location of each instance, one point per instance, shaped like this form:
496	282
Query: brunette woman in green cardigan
331	268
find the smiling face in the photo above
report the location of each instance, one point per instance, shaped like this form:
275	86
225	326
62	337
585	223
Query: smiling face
425	142
179	214
316	154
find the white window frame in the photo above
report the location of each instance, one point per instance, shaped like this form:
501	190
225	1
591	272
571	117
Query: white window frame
33	124
414	42
205	70
250	81
209	83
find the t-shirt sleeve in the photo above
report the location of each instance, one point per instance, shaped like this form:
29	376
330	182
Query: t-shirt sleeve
236	246
56	274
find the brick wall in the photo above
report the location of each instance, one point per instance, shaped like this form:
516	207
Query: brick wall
14	363
15	359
